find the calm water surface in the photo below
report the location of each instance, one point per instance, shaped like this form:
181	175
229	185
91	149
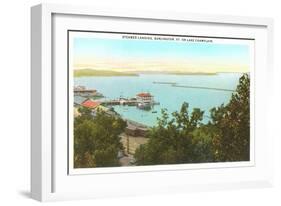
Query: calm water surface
169	97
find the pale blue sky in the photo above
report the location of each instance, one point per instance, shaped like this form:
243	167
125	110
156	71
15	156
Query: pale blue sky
97	48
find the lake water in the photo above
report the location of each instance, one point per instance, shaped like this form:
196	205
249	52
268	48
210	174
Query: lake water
169	97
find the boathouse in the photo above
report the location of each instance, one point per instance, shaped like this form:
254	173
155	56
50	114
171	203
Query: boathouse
144	97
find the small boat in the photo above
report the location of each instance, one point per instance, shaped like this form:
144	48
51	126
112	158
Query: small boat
144	106
156	103
154	111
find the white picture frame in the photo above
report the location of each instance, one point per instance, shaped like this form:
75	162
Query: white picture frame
50	178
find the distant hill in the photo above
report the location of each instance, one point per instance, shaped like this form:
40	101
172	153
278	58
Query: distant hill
174	72
192	73
93	72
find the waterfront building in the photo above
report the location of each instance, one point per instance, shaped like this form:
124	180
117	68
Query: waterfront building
82	91
79	88
135	129
144	97
144	101
90	104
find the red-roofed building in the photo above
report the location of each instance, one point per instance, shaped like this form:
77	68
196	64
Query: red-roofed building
144	97
90	104
144	94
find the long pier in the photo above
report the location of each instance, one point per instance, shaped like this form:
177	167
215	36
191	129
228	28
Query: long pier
198	87
155	82
174	84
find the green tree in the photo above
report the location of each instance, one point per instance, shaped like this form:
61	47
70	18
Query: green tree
202	144
231	123
175	140
96	140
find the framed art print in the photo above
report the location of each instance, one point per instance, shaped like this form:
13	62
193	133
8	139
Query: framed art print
122	101
118	88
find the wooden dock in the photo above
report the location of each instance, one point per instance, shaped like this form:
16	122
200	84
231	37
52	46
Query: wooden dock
128	102
120	102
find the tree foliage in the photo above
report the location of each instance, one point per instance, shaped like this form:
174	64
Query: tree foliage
96	140
232	124
174	140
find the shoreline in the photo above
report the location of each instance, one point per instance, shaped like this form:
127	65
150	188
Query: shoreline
111	73
141	73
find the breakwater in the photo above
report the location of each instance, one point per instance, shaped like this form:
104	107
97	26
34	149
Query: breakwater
173	84
155	82
198	87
